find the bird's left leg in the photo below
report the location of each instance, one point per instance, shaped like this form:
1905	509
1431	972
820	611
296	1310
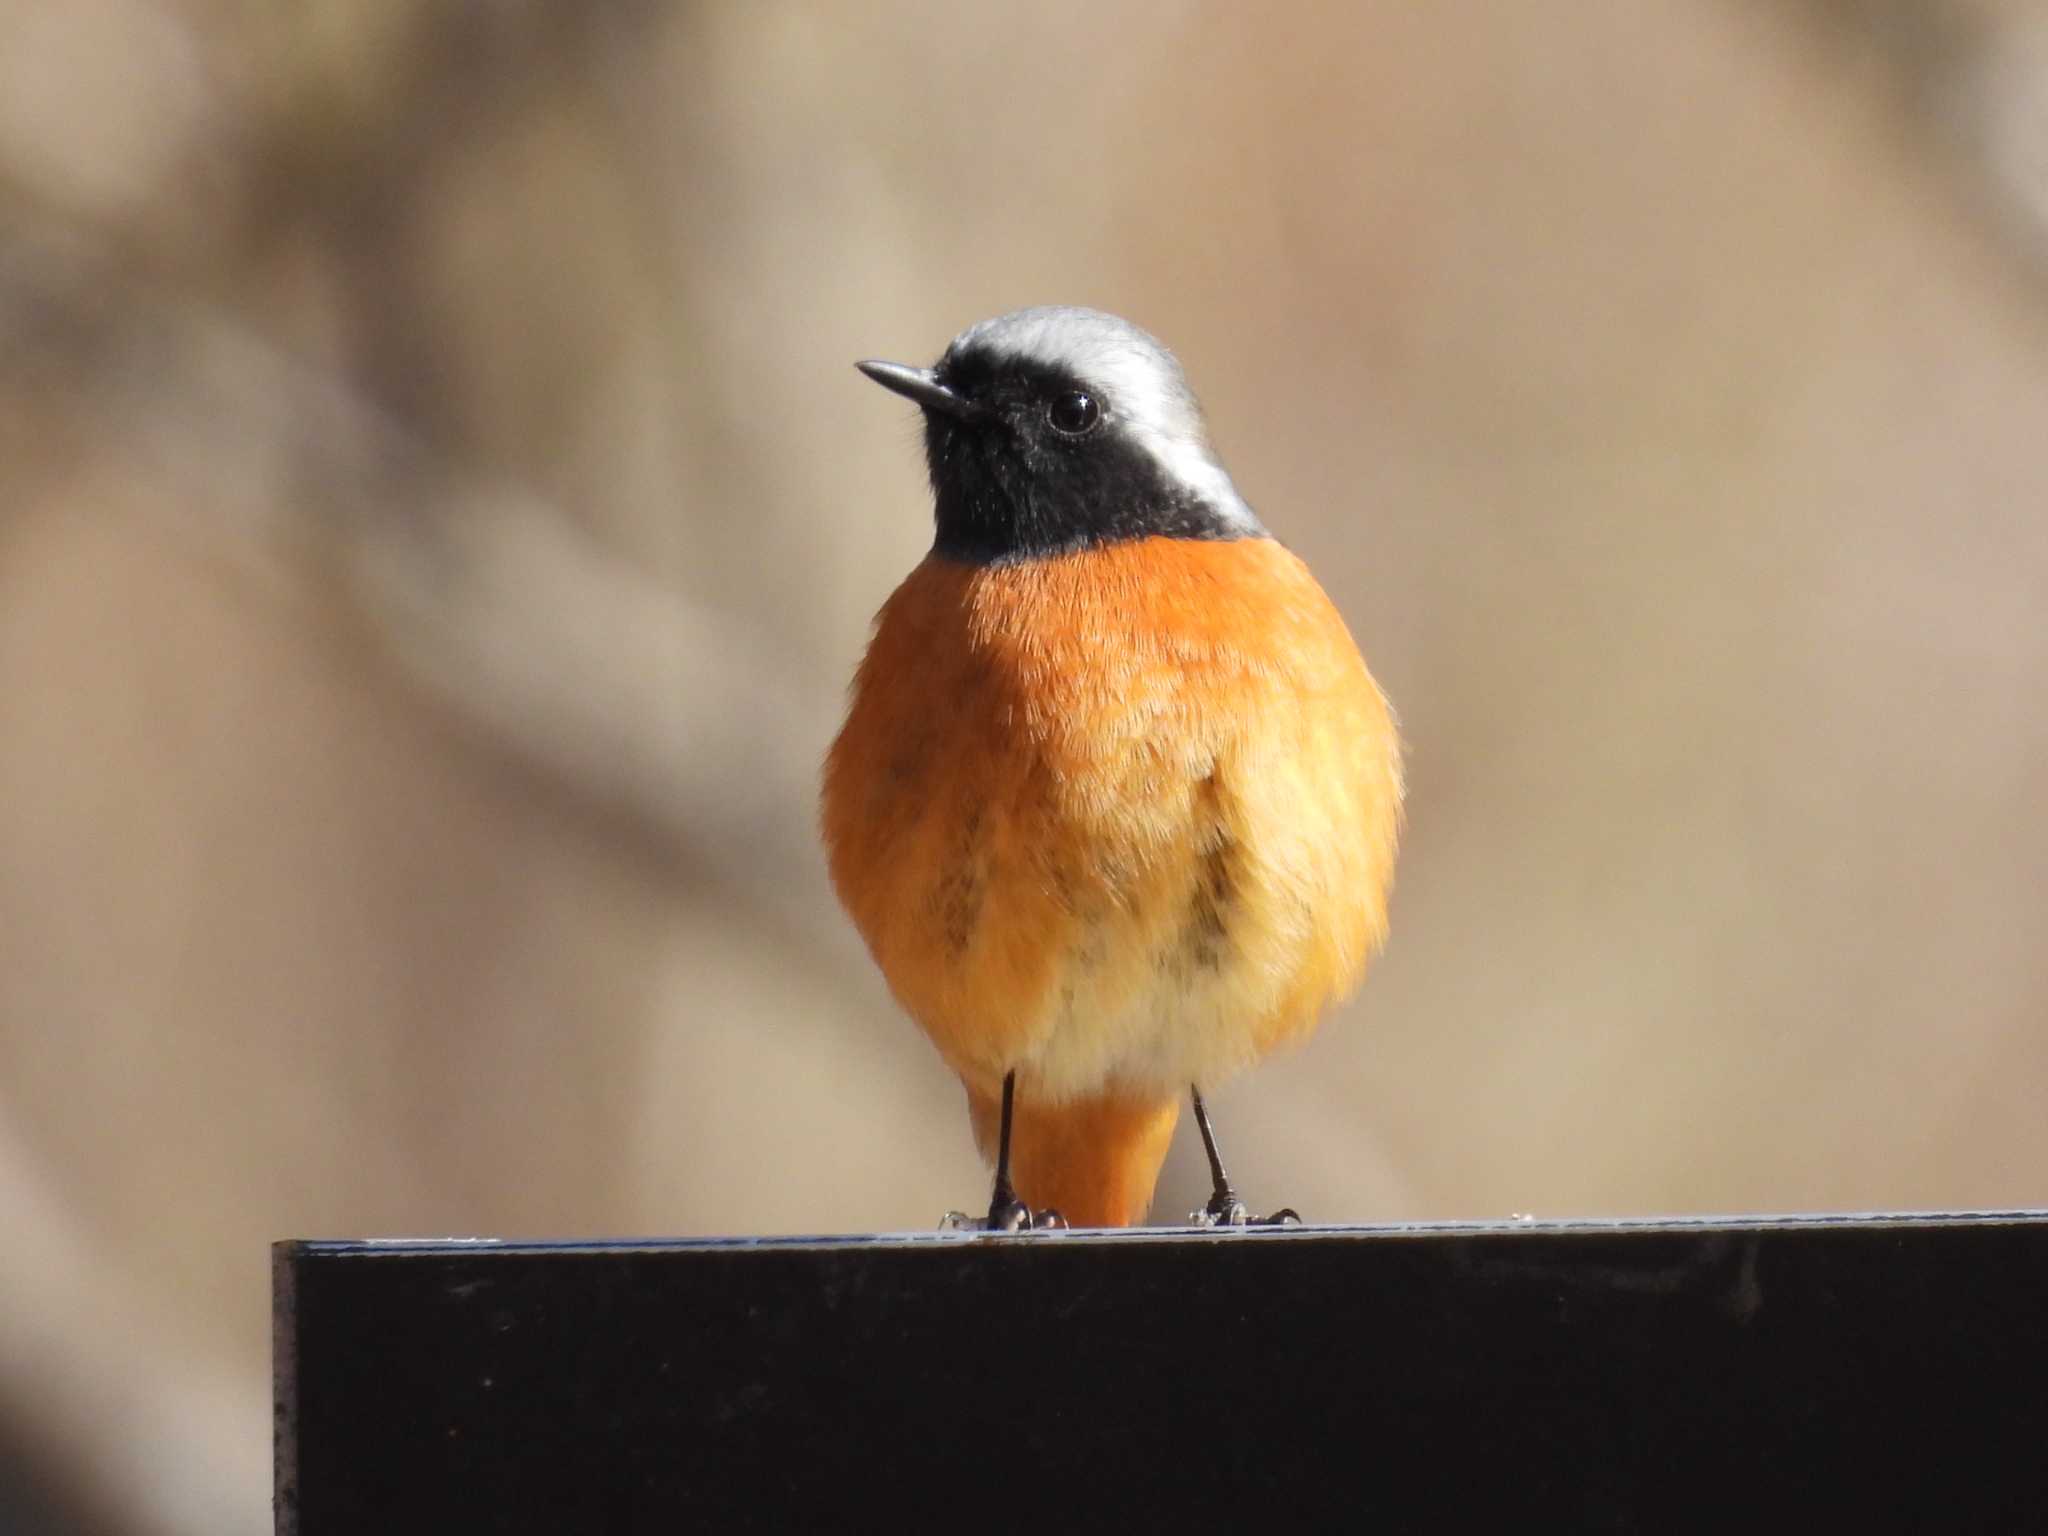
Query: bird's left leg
1224	1208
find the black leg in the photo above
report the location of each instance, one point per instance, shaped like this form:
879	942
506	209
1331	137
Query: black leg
1223	1203
1006	1213
1224	1208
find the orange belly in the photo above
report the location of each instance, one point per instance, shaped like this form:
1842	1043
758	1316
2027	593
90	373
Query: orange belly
1119	821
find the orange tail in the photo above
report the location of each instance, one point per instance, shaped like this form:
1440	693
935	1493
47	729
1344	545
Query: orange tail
1093	1160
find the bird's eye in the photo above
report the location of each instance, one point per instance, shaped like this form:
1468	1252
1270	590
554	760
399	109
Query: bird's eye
1073	413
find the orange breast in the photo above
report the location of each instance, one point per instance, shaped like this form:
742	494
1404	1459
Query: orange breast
1121	820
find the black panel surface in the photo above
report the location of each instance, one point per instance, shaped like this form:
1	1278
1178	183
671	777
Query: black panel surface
1871	1373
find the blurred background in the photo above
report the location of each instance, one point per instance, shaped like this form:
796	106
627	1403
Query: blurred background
438	520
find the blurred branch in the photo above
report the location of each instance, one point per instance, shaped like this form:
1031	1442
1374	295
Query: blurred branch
1971	76
151	1448
346	149
492	602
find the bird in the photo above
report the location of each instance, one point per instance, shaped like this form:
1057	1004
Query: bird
1116	802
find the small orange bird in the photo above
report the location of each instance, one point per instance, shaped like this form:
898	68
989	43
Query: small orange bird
1116	802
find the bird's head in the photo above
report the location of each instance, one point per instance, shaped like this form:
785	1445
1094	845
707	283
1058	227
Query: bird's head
1053	430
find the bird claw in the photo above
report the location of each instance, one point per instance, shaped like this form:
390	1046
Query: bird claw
1219	1213
1005	1216
1226	1210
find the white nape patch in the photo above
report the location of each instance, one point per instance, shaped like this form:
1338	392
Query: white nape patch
1141	387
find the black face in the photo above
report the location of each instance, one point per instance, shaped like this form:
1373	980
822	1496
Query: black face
1045	469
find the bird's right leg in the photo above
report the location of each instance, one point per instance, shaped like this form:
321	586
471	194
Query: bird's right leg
1006	1213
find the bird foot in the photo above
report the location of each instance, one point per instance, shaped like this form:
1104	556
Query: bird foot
1226	1210
1005	1216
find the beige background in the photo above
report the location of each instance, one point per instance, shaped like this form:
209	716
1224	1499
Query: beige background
438	519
